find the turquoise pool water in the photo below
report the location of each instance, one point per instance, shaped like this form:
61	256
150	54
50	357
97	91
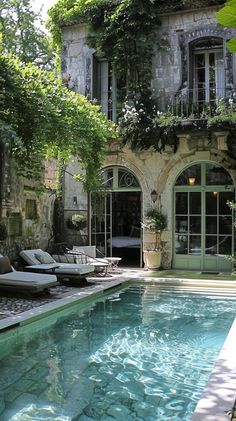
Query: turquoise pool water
141	354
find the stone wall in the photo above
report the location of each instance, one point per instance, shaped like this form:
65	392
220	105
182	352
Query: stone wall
27	212
177	31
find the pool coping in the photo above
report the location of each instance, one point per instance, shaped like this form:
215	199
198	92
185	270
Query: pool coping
220	392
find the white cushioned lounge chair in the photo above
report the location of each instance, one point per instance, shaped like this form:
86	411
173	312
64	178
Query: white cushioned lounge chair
16	281
42	262
85	255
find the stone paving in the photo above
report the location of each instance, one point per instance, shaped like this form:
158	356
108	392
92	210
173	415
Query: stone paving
12	304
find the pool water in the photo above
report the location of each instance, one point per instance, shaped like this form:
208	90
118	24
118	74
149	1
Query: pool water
141	354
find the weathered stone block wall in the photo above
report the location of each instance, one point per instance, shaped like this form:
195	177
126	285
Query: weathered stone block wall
24	230
177	31
76	59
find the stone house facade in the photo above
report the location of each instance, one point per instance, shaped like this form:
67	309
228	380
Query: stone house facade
26	208
192	184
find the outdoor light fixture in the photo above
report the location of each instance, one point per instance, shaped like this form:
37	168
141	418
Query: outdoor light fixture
191	181
154	196
215	193
75	202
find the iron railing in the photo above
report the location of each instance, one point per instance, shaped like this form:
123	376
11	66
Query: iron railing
193	103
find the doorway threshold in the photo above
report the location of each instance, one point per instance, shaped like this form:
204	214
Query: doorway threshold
209	272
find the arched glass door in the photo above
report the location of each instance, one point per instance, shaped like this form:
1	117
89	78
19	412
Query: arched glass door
116	215
203	221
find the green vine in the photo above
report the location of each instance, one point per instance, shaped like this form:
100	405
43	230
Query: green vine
40	118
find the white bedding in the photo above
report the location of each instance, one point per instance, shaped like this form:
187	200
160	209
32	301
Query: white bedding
125	241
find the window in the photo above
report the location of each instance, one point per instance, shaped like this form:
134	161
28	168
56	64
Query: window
208	78
103	87
31	209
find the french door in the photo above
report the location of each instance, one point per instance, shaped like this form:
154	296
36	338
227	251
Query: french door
203	232
208	76
116	216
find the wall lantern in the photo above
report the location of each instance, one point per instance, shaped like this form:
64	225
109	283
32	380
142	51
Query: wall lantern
191	181
75	202
154	196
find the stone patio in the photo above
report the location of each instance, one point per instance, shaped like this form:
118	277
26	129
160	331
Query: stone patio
12	304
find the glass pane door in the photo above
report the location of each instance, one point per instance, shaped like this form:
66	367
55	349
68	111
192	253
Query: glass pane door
203	230
219	223
101	221
188	235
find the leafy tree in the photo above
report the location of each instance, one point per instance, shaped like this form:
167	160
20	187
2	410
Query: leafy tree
39	117
227	17
21	33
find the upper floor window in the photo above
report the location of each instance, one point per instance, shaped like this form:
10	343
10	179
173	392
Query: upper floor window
208	75
104	87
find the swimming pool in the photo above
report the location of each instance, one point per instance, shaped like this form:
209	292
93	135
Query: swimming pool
141	354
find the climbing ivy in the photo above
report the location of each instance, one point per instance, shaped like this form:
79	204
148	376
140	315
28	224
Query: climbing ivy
39	118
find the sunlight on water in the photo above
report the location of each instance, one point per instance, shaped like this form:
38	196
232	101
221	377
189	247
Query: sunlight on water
141	355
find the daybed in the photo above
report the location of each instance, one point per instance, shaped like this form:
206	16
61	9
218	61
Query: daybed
132	240
42	262
16	281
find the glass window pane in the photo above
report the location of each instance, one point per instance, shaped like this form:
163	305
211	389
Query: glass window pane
181	224
211	244
195	245
181	244
195	224
216	175
195	203
224	197
211	203
201	75
212	59
225	245
190	177
225	225
127	179
199	60
107	178
181	203
211	225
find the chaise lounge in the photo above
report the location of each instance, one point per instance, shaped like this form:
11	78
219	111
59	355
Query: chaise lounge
42	262
85	255
16	281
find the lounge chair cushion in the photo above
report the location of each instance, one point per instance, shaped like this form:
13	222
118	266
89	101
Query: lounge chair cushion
30	256
62	268
20	281
5	265
57	268
44	257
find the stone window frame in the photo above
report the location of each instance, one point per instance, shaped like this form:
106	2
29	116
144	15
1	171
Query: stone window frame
186	41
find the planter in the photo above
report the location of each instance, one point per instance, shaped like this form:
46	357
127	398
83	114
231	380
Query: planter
152	259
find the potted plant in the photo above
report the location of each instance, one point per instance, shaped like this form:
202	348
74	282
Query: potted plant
154	222
77	222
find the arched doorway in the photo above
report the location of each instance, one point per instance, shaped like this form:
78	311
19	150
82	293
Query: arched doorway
203	221
116	216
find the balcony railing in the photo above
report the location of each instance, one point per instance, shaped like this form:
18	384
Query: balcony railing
186	103
192	103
